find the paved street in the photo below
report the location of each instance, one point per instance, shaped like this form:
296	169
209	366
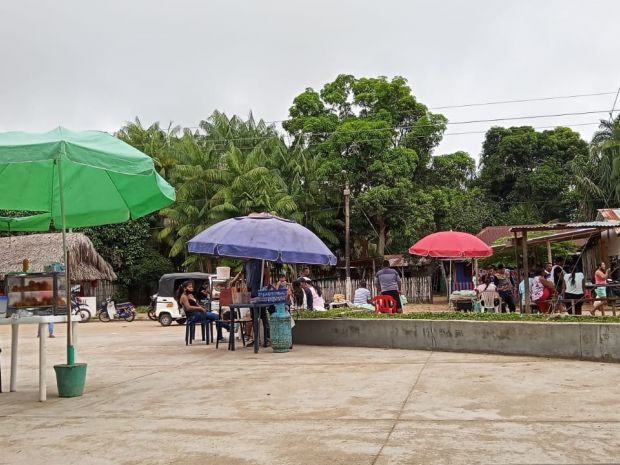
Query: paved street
151	400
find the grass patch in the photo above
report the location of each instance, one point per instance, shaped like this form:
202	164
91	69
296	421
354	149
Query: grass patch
142	309
365	314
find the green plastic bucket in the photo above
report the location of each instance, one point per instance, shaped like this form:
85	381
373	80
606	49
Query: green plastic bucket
70	379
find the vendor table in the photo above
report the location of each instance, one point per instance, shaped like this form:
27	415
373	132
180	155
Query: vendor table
42	321
456	298
255	311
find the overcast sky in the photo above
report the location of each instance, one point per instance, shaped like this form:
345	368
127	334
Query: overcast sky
89	64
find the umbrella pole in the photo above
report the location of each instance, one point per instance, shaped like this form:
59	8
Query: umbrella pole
450	281
70	348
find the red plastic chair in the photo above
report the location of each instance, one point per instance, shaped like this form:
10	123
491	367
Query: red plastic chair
385	304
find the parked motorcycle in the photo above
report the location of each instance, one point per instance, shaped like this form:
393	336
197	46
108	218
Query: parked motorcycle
79	309
125	311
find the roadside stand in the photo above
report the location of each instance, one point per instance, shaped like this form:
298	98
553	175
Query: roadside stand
69	179
264	237
453	246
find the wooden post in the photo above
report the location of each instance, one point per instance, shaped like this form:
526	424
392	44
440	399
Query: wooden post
475	280
14	344
347	246
523	272
43	360
526	268
549	254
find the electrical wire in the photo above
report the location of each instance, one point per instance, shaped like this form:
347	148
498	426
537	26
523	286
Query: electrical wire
475	104
540	99
225	142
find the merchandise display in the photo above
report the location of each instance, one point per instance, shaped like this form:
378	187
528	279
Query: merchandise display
39	293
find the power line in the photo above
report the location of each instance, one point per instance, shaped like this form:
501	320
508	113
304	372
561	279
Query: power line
540	99
224	141
474	121
475	104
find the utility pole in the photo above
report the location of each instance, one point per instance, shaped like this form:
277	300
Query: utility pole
347	245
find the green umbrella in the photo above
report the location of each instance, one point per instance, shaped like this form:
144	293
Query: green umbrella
74	179
30	223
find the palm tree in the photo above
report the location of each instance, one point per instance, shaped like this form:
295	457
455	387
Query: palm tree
225	173
154	141
598	179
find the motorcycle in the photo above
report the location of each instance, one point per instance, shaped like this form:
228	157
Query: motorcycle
79	309
125	311
153	308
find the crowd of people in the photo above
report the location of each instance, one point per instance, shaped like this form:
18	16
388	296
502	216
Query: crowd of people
302	293
559	285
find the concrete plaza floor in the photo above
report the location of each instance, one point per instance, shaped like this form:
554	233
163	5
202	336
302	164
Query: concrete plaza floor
151	400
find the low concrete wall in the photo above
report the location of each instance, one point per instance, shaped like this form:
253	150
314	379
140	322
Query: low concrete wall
588	341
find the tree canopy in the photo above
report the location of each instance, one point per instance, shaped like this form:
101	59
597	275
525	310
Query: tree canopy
374	134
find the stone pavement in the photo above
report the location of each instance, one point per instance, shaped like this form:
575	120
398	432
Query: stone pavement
151	400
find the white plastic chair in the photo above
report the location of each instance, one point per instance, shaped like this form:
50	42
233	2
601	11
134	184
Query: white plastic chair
487	301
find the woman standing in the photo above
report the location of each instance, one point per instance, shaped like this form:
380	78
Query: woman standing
600	277
573	285
541	291
504	286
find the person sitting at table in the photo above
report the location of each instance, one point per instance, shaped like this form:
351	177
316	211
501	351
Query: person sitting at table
542	290
490	275
298	294
530	280
196	313
282	284
204	295
486	285
573	289
313	300
363	298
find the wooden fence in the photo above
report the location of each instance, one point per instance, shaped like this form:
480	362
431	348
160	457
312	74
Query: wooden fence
417	289
101	291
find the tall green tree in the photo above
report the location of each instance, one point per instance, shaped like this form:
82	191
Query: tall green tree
523	169
374	133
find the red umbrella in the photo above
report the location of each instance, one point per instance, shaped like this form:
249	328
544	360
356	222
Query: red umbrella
451	244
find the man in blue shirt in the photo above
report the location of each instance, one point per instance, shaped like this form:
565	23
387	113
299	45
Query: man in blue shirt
389	283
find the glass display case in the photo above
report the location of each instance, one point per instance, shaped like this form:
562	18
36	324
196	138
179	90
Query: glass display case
36	294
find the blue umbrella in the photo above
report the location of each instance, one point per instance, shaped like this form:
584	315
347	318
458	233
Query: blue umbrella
264	237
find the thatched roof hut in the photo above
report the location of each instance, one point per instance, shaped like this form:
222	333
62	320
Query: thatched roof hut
42	249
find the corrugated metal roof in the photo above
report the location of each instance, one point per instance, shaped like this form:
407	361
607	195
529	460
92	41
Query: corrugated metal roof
612	214
492	233
561	226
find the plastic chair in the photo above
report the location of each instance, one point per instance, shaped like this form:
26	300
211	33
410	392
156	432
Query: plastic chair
232	333
487	300
385	304
190	327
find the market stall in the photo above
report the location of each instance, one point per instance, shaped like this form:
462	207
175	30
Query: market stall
67	179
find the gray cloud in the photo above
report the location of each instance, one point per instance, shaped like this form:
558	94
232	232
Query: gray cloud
96	64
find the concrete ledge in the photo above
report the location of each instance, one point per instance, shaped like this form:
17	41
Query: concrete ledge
587	341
